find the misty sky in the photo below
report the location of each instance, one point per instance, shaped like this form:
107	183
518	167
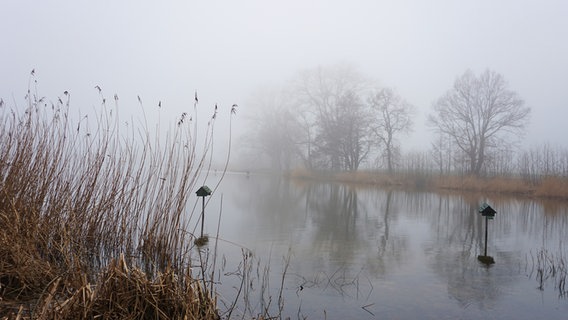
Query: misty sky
164	51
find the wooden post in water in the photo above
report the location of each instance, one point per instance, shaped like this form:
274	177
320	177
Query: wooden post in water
489	213
203	222
486	225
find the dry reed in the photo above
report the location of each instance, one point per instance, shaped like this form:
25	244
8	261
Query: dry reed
546	187
547	267
94	221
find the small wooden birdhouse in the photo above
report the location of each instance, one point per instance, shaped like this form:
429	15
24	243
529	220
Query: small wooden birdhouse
203	191
487	211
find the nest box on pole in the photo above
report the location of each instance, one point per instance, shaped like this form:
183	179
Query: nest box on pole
203	192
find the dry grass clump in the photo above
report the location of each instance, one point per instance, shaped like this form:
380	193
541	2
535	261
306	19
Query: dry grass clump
123	293
94	221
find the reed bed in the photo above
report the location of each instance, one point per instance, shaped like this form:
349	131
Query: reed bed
550	187
96	219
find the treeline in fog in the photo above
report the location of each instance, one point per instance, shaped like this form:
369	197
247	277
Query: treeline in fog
336	118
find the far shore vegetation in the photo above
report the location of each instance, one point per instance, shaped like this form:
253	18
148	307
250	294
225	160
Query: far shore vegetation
546	187
340	125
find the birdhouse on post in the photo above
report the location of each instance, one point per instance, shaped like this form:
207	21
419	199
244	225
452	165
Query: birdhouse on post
203	192
489	213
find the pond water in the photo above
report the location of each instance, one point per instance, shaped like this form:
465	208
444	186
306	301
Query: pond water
366	253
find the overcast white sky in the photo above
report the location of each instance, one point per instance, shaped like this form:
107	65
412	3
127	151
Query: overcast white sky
164	50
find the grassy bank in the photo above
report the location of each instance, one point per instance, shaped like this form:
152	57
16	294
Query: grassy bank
94	222
546	187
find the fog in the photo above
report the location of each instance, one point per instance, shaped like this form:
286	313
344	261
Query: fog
225	50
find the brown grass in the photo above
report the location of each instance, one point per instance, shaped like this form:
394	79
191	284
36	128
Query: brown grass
494	185
553	187
93	221
547	187
362	177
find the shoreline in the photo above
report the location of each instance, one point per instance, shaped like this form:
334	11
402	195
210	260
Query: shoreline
546	188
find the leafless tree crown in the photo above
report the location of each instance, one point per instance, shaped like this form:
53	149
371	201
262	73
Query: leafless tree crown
480	114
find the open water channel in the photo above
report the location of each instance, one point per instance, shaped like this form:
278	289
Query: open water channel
368	253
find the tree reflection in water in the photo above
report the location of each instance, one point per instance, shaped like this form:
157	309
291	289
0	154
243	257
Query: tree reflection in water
393	248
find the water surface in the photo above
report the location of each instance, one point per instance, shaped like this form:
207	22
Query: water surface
370	253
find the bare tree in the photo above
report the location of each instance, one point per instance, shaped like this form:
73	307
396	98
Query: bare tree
329	106
542	161
480	114
274	131
344	134
442	153
392	116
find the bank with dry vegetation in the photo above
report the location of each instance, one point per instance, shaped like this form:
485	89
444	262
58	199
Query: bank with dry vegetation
94	222
546	187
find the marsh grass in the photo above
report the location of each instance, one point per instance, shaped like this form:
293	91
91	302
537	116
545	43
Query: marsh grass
549	187
547	267
96	219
